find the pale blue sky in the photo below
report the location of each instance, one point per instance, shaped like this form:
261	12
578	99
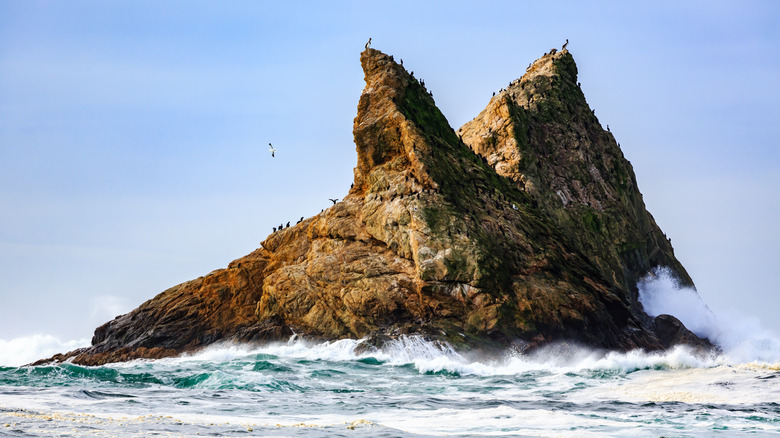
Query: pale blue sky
133	135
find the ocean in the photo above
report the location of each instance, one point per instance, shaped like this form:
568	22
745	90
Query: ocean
410	387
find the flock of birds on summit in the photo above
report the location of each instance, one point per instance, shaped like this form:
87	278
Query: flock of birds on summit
272	150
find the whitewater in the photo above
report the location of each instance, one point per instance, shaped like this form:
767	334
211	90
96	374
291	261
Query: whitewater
411	387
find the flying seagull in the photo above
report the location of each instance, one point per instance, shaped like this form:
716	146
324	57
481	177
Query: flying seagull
271	149
334	201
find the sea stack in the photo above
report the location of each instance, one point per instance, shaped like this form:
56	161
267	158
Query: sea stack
525	227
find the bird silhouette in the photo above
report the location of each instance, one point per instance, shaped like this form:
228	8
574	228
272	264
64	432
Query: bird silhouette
334	201
271	149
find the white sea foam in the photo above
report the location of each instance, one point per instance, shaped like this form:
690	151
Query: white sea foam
741	338
436	357
26	349
503	420
557	358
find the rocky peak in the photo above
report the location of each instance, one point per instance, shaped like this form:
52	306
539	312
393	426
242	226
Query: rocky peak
540	133
539	92
388	134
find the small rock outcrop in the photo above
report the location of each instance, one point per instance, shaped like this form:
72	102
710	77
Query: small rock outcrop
671	331
523	228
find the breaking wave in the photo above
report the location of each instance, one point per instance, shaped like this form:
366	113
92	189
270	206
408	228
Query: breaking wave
409	386
427	357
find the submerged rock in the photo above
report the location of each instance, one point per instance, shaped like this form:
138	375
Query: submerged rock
523	228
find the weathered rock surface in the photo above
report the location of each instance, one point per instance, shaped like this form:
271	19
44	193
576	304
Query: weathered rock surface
534	232
671	332
540	133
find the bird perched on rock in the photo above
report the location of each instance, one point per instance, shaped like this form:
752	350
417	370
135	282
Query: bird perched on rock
565	44
271	149
368	44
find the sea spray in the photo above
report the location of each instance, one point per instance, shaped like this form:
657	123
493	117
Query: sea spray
426	356
661	293
27	349
742	339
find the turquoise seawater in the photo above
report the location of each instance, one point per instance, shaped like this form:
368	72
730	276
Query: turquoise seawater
409	388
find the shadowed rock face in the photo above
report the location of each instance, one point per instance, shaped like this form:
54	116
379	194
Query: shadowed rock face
540	133
534	232
671	332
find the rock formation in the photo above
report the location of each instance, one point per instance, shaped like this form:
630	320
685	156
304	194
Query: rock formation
524	228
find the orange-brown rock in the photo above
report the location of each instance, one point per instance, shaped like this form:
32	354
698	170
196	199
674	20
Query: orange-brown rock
458	243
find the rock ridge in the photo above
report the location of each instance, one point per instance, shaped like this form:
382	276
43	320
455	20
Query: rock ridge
523	228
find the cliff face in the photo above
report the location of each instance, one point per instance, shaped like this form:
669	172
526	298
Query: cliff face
540	133
532	233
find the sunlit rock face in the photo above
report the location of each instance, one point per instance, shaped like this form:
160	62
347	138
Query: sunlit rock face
524	227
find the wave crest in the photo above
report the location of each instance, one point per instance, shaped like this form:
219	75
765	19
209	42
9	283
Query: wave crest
433	357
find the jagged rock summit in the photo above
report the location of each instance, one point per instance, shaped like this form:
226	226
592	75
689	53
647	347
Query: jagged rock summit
523	228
